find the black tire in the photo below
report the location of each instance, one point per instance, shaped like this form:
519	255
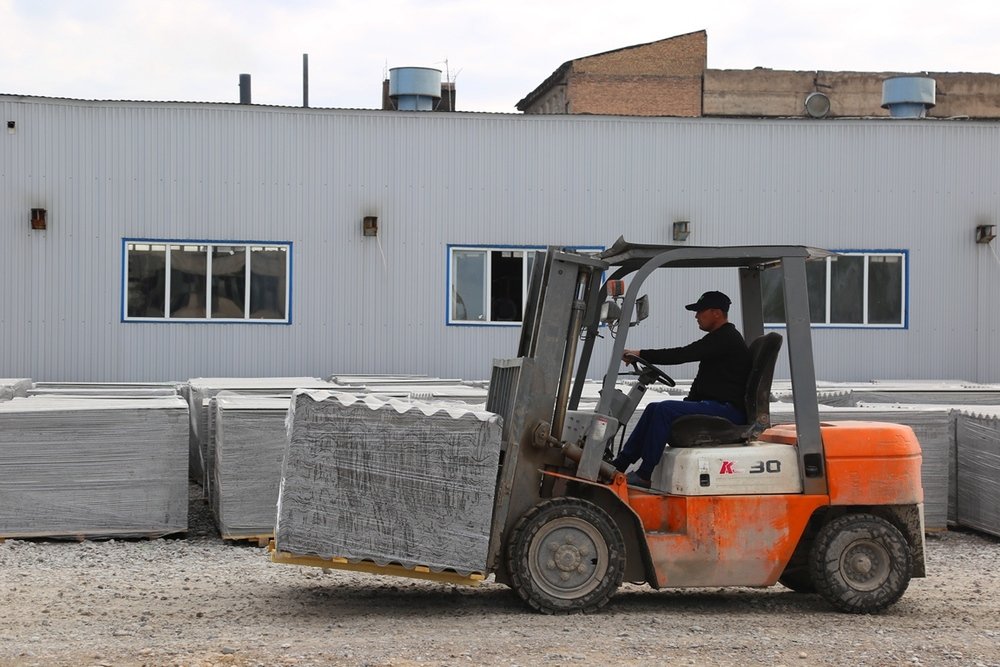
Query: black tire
566	555
860	563
797	579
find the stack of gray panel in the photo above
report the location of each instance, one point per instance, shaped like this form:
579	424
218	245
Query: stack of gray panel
388	481
14	387
935	430
200	393
85	468
978	470
250	439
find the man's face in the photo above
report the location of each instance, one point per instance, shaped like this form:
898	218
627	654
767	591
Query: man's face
710	319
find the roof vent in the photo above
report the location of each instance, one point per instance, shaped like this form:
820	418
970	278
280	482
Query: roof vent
908	96
414	88
817	105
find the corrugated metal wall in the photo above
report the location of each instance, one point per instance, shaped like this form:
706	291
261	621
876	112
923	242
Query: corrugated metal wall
105	171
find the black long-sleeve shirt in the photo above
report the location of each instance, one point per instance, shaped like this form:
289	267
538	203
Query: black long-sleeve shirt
723	368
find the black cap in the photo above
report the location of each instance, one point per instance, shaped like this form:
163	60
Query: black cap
710	300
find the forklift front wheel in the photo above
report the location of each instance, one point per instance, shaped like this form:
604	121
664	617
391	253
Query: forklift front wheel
860	563
566	555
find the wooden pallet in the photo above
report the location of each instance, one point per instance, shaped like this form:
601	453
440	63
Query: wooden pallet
258	540
392	569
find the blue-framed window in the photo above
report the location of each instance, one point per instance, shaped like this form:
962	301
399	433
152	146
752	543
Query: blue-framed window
854	288
168	280
488	285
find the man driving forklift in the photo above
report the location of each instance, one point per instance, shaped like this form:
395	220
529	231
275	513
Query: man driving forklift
718	389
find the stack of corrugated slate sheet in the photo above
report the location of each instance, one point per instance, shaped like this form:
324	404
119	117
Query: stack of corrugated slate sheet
978	469
82	468
200	393
388	481
250	439
14	387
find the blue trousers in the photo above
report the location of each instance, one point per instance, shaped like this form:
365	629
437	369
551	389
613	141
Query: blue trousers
651	434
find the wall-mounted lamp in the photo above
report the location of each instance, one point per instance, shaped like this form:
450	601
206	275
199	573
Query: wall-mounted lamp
38	218
682	230
369	225
11	127
985	233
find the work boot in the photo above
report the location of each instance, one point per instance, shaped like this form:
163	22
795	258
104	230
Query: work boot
620	465
634	479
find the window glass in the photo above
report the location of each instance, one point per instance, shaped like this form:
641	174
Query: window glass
816	284
885	289
268	282
506	285
469	286
147	285
209	280
188	272
847	275
773	295
229	279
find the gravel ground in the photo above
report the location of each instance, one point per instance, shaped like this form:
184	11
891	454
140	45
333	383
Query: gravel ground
200	601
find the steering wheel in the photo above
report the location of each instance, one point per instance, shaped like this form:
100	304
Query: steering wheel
643	367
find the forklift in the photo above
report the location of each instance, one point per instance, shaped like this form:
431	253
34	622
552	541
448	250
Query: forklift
834	508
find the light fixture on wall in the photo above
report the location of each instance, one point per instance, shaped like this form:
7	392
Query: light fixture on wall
38	218
985	233
682	230
369	225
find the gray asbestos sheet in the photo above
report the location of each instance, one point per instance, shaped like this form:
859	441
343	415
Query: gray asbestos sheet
388	481
249	446
978	472
14	387
87	468
199	393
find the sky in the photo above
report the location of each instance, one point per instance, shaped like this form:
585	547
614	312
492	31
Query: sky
496	51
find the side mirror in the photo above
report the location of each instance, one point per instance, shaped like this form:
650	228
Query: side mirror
641	309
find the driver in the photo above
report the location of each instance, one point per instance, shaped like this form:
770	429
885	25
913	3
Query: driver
718	388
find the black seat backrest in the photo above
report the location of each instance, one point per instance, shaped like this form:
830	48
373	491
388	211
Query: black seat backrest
706	430
763	356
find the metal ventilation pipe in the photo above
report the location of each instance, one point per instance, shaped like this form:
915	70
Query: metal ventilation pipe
245	89
908	96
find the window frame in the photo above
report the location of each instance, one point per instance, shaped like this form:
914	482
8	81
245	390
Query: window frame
207	319
903	254
490	248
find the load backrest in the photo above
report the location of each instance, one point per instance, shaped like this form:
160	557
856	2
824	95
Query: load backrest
763	356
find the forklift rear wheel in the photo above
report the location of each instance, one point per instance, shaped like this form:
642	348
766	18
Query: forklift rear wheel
860	563
566	555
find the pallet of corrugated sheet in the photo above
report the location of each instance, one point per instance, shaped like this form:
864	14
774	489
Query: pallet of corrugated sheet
249	445
199	394
371	567
93	468
978	469
388	481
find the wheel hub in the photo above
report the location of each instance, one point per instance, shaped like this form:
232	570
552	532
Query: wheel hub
565	558
865	565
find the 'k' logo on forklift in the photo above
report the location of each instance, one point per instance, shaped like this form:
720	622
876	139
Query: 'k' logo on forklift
727	468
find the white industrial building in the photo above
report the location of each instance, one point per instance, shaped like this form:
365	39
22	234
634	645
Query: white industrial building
148	241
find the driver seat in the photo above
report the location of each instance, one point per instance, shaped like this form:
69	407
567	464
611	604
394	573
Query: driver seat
706	430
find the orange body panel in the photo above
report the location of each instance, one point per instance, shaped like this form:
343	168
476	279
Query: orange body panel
722	540
867	463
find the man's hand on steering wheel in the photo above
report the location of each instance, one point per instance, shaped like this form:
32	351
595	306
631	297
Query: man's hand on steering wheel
644	367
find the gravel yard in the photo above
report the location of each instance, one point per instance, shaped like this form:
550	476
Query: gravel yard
201	601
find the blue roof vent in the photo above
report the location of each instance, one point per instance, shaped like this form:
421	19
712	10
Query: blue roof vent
908	96
414	88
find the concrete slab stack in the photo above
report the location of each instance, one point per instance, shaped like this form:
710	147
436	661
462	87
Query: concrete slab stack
388	481
978	470
249	445
83	468
14	387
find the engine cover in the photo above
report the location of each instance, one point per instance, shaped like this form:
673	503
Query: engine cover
754	469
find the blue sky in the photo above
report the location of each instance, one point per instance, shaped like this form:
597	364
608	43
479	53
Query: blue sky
496	51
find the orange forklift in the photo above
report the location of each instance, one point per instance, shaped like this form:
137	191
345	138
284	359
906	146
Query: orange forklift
832	508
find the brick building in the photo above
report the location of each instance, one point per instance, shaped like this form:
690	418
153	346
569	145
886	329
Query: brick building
670	77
